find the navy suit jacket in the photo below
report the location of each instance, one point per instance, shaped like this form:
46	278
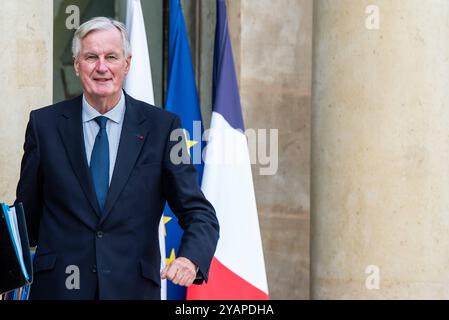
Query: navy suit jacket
116	252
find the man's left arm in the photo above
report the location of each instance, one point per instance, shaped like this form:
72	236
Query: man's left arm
195	214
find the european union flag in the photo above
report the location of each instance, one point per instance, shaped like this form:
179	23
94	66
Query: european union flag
182	99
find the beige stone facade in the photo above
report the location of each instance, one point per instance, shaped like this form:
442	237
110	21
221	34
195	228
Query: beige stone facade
380	150
26	42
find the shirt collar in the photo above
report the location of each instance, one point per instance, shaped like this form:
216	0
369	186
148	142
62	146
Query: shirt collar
116	114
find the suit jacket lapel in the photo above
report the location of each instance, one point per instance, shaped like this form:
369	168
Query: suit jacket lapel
131	141
71	131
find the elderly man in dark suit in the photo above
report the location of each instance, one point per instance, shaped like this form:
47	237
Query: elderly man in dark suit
95	176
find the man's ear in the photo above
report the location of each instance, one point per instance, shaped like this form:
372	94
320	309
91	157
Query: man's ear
128	64
76	66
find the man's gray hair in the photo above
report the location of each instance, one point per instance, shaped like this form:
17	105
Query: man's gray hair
99	23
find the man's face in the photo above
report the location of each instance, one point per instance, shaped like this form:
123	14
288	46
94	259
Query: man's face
101	64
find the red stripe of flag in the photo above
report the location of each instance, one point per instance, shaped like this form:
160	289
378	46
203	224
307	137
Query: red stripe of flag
224	284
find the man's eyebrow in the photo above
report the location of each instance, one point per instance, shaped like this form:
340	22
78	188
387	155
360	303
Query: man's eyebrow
96	54
112	52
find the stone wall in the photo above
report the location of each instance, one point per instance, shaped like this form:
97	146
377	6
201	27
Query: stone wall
25	79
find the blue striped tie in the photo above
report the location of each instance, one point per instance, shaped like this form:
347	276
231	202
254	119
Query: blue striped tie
99	162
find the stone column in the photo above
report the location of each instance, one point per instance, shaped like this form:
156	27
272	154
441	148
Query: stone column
380	150
26	38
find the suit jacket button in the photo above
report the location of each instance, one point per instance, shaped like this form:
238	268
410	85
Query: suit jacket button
94	268
99	234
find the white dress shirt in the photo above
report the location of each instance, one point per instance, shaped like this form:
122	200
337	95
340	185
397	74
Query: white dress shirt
113	128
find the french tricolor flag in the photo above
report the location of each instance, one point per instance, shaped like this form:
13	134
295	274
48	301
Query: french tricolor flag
238	270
